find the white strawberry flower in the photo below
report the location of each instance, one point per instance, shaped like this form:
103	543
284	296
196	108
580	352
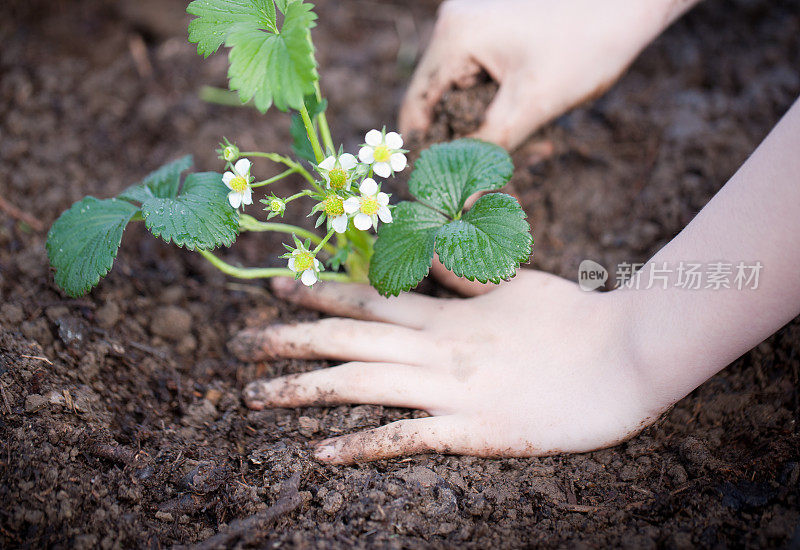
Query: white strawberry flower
384	152
371	205
338	170
302	261
332	208
238	182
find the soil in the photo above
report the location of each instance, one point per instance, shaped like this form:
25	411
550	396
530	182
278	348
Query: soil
121	419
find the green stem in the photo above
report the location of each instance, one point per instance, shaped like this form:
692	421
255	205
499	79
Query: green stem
324	129
264	272
325	240
305	193
249	223
274	157
273	179
312	133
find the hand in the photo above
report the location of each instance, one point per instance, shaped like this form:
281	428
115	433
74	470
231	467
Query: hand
536	367
547	57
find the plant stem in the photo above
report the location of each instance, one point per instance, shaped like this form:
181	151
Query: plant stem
273	179
264	272
325	240
249	223
324	129
274	157
305	193
312	133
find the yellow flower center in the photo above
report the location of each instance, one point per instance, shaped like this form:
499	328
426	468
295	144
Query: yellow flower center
302	261
338	178
370	206
333	206
382	154
238	184
276	205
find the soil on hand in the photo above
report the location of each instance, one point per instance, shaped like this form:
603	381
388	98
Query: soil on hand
121	419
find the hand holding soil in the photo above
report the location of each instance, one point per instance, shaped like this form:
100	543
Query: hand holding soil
546	56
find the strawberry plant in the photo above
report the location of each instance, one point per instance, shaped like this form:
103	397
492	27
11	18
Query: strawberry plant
272	63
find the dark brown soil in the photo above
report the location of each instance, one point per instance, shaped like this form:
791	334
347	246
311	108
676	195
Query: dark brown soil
120	413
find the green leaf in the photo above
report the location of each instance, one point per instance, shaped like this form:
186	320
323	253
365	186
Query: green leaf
446	174
404	249
301	146
84	240
272	18
216	18
163	183
489	242
274	68
199	217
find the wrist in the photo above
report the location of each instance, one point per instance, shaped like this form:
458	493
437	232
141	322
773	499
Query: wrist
669	357
647	348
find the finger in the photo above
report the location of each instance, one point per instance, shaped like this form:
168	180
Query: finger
387	384
429	82
442	434
462	286
515	112
360	302
334	338
441	67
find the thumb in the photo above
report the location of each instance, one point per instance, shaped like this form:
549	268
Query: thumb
516	111
437	72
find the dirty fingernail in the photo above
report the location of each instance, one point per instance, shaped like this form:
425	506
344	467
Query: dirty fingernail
255	405
325	452
254	395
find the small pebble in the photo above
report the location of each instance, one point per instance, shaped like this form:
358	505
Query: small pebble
172	323
108	315
213	396
11	314
164	516
35	402
308	426
332	503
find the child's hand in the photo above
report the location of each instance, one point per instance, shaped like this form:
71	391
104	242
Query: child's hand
536	367
547	57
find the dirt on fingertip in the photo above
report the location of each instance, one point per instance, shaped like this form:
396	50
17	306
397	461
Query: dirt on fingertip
121	415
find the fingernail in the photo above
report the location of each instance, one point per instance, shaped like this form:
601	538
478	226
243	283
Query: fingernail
325	452
254	395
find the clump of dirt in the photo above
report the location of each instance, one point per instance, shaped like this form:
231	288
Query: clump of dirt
460	112
119	429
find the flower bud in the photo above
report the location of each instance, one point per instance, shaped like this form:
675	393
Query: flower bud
230	153
277	205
